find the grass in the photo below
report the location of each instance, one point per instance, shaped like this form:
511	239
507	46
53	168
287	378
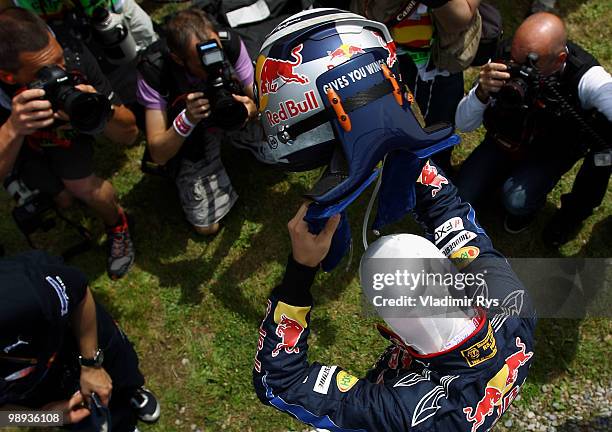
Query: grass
192	305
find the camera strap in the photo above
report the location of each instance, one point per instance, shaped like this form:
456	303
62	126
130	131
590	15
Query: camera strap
603	150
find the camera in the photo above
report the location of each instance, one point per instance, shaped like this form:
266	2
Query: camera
111	31
524	78
88	112
33	210
226	112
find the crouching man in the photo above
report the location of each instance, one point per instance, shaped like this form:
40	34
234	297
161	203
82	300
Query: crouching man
58	347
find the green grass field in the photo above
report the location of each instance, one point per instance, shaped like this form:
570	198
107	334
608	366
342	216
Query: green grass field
192	305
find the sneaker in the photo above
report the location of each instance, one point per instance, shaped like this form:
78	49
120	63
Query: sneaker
146	406
561	229
121	252
517	224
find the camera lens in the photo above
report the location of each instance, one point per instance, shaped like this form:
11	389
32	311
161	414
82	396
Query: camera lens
228	113
88	112
513	93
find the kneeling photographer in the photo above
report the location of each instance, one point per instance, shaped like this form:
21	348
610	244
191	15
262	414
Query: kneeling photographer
191	100
114	31
53	101
60	350
545	105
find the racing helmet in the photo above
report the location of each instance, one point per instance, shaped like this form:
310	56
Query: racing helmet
292	60
327	90
425	329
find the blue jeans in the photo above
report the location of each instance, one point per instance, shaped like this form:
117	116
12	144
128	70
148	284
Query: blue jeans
525	183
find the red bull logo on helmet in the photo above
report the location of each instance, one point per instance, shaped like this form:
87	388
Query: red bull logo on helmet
500	390
429	177
289	108
391	49
343	53
273	70
289	331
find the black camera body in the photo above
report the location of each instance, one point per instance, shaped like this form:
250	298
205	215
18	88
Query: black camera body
226	112
34	210
88	112
524	80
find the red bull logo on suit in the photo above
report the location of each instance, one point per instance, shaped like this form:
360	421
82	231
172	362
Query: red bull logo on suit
289	331
500	390
430	177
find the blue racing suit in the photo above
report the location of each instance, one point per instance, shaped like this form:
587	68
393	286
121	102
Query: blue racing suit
465	388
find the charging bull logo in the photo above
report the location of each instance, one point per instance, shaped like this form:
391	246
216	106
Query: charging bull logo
342	53
273	69
289	331
430	177
391	49
499	391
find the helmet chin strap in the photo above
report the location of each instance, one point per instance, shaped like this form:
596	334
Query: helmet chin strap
366	217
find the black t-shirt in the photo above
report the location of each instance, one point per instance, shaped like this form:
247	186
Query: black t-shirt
82	65
38	295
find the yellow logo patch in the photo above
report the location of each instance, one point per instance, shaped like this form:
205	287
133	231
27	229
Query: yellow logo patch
464	256
296	313
345	381
481	351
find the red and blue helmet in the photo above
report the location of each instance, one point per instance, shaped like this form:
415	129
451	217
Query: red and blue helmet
327	92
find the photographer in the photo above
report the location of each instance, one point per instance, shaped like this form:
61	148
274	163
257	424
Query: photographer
545	107
46	147
59	347
183	113
138	21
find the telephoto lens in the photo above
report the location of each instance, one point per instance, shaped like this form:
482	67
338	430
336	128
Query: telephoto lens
114	35
88	112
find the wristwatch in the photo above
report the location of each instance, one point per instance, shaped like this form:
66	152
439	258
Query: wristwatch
94	362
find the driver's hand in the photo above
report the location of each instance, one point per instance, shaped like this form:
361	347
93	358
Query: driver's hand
249	105
29	112
198	108
492	78
310	249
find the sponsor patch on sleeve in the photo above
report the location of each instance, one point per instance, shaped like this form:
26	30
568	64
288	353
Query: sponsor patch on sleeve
464	256
481	351
291	322
345	381
296	313
456	242
324	379
449	226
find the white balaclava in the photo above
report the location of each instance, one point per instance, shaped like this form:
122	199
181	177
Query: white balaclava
426	329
